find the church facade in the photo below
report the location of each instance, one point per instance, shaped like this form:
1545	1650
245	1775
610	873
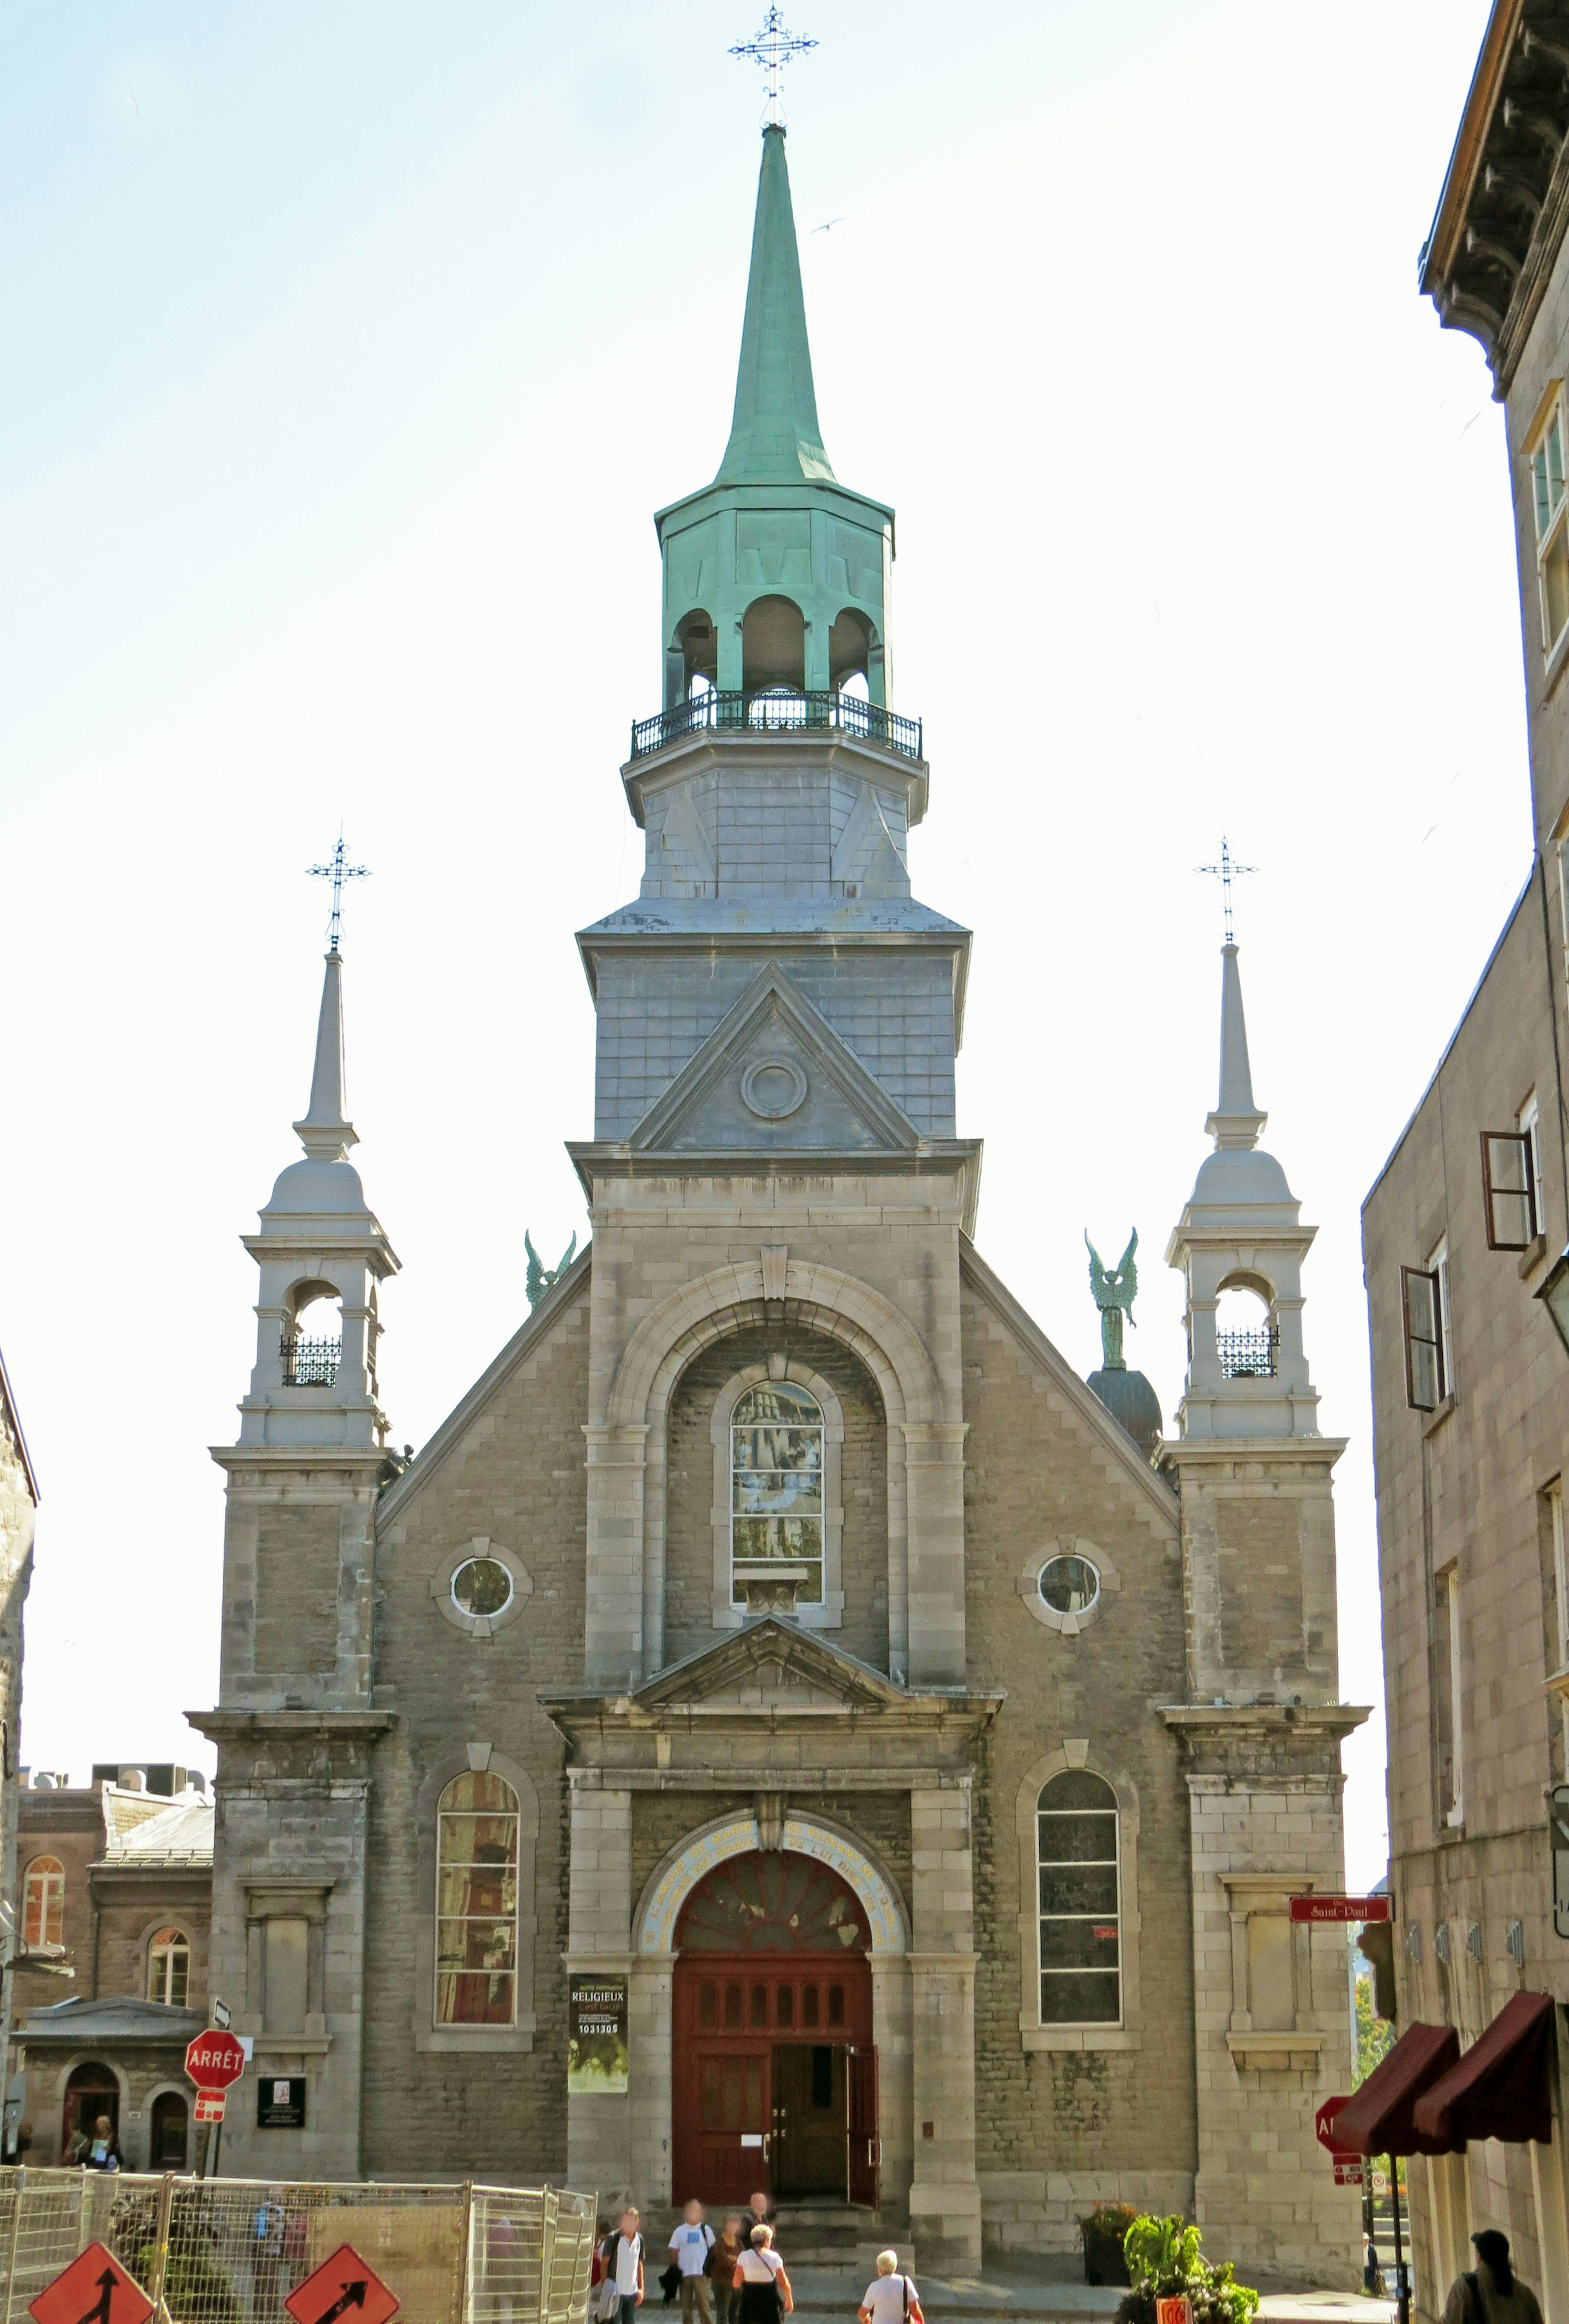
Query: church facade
782	1729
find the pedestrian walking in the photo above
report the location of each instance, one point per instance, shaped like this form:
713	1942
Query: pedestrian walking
891	2298
761	2282
1493	2293
623	2264
728	2249
690	2246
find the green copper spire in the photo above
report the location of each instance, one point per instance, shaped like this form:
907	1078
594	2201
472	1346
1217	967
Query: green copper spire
774	436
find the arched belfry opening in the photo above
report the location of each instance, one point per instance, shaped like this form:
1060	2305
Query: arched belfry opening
774	648
693	659
850	644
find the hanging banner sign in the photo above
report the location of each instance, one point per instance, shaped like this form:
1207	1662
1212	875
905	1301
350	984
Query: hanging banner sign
1362	1911
596	2053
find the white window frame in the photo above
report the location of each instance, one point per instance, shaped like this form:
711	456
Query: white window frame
1448	1583
160	1957
1439	1267
1560	1595
49	1873
1529	1121
1550	515
1074	1752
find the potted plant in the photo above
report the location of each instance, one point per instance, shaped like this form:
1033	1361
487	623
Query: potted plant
1164	2262
1104	2230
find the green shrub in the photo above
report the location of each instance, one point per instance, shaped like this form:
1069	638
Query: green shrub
1164	2262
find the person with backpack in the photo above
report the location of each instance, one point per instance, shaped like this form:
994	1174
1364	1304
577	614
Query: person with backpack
892	2298
1493	2293
623	2282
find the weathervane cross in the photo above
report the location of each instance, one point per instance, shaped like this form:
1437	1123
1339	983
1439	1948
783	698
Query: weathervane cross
772	49
337	871
1225	871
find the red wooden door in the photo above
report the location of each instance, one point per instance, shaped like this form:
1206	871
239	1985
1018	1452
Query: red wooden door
865	2149
726	2155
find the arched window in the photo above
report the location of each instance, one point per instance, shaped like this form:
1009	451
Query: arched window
776	1484
43	1902
1077	1862
168	1967
476	1902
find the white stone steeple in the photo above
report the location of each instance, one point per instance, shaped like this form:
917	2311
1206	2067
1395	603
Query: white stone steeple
1242	1229
318	1240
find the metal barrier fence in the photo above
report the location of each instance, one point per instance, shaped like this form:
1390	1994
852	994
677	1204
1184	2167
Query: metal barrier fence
231	2251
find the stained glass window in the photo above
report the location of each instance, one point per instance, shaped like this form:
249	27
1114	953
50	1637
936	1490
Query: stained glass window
776	1483
1081	1960
476	1902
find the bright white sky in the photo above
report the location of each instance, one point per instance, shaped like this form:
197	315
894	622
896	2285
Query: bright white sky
349	351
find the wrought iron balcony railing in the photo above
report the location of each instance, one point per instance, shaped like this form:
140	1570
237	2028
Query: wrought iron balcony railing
1248	1355
784	713
309	1363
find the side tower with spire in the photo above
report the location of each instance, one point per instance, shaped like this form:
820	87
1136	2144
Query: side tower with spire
294	1723
1262	1723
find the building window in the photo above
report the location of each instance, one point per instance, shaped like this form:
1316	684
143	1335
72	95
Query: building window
1447	1692
168	1967
1421	1301
1551	513
1076	1862
1069	1585
43	1902
776	1484
1509	1179
476	1902
1529	1122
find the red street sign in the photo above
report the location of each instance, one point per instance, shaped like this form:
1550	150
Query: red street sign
214	2061
1363	1910
343	2285
1348	2170
208	2107
95	2289
1323	2122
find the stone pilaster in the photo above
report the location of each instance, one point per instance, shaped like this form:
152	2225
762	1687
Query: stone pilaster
599	2128
945	2196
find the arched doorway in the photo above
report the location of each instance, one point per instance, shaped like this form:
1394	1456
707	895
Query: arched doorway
90	2091
171	2138
775	2076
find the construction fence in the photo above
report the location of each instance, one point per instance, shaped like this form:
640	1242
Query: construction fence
232	2251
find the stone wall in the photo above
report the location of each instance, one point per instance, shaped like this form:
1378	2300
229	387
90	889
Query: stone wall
516	1475
1058	2129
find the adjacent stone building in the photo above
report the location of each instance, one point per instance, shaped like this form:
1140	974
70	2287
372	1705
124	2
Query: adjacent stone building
116	1898
780	1726
1461	1234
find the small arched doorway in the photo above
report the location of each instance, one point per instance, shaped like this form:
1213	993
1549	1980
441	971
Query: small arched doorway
775	2076
90	2090
170	2132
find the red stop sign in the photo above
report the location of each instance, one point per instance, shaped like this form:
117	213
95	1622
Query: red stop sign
1324	2123
214	2061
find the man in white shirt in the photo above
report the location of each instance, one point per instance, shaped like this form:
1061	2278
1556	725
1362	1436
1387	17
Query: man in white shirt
689	2248
627	2265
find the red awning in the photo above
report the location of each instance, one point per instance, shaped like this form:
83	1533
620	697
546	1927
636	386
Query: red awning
1499	2088
1378	2119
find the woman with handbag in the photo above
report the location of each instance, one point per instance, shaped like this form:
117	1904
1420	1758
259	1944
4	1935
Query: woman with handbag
761	2282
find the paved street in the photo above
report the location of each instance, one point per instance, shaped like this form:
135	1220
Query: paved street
1022	2288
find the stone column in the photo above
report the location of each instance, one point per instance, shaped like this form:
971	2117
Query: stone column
598	1945
891	2019
935	1462
651	2030
944	2197
613	1610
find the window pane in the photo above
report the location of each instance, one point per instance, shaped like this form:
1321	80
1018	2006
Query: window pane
1078	1839
732	2005
1080	2000
464	1794
1077	1788
479	1840
1556	586
785	2006
489	1889
1555	461
760	2004
1078	1944
474	1944
1078	1888
1544	506
836	2005
179	1977
707	2003
473	2000
809	2005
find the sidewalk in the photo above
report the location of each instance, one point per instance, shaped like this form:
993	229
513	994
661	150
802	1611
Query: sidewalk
1014	2288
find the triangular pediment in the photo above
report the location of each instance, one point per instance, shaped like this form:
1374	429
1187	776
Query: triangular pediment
770	1666
774	1075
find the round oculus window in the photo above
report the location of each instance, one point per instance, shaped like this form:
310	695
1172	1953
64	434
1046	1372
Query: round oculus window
773	1088
482	1586
1069	1585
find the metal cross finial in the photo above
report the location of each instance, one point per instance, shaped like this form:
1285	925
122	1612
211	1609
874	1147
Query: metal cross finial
1225	871
772	49
337	871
